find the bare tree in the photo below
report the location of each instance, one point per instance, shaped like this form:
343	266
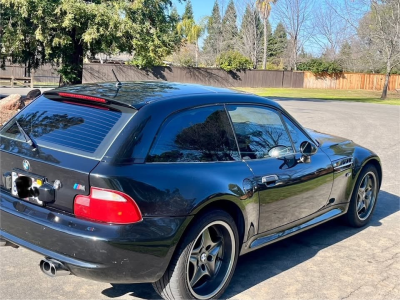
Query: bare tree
296	17
379	28
329	31
356	55
251	31
382	27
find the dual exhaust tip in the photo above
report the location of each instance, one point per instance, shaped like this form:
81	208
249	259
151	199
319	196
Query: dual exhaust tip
53	268
49	266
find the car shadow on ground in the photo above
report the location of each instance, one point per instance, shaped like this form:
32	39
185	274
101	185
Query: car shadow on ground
272	260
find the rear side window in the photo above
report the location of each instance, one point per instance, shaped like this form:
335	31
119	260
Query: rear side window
67	126
196	135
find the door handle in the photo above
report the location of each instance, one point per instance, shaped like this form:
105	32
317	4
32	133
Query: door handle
270	180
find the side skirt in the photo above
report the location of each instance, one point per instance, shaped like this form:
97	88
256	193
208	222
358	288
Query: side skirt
261	240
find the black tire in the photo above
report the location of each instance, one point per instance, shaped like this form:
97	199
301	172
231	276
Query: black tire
356	217
175	283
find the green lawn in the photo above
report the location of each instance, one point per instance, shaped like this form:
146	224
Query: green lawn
342	95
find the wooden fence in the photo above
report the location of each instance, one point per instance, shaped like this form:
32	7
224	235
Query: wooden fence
350	81
44	74
207	76
216	77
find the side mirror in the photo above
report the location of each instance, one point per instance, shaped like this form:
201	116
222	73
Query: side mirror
307	149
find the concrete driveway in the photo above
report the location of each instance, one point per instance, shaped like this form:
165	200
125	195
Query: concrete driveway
328	262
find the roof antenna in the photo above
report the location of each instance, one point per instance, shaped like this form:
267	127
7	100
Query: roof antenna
118	83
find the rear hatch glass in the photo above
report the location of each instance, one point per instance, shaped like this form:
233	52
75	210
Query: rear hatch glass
80	129
71	137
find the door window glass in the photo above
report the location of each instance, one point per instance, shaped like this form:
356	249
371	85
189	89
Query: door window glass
196	135
260	132
297	135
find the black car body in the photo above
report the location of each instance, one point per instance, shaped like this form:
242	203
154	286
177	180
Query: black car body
177	150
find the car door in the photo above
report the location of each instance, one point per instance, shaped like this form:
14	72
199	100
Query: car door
288	189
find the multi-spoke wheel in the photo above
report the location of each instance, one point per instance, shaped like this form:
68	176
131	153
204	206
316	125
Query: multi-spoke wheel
211	260
364	197
204	264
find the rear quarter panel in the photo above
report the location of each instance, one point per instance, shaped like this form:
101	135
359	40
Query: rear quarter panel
182	189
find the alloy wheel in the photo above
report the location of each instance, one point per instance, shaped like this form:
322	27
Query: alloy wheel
211	260
366	196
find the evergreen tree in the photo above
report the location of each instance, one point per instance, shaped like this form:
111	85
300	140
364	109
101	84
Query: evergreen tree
212	43
277	42
188	14
345	57
229	28
35	32
270	38
174	15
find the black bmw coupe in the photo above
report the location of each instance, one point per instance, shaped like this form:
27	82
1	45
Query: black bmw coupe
169	183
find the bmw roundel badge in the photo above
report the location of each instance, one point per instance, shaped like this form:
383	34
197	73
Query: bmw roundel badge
26	165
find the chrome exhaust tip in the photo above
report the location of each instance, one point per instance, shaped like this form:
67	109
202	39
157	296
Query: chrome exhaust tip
53	268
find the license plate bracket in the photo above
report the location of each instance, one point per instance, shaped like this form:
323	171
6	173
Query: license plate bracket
36	182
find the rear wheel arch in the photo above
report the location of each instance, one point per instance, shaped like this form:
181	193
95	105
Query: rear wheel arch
229	207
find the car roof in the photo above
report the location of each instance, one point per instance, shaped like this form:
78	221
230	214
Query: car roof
139	93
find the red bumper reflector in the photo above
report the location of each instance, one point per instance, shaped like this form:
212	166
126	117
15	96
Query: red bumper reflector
83	97
108	206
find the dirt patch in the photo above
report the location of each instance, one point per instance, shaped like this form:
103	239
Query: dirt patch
10	105
5	115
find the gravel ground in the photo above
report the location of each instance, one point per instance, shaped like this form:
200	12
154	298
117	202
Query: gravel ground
331	261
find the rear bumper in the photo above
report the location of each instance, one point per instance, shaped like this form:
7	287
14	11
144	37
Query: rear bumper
131	253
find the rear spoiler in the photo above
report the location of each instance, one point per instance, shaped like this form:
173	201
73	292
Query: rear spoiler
60	96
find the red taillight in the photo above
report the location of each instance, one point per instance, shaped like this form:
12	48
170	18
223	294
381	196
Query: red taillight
83	97
107	206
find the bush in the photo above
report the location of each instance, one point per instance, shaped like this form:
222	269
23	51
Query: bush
320	66
184	57
233	61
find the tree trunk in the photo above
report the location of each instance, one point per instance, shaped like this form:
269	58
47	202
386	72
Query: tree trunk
387	77
385	87
197	52
265	45
255	49
295	54
72	63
